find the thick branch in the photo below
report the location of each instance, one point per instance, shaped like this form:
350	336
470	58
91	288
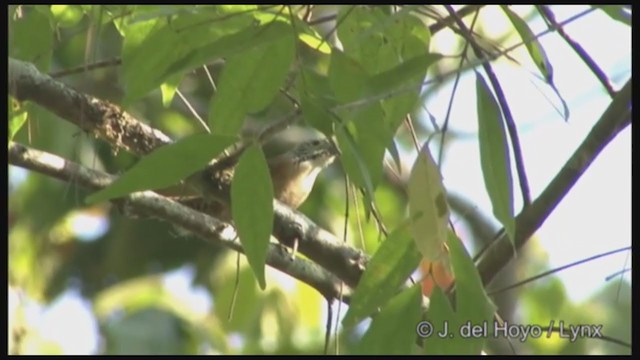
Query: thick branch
615	118
122	130
149	203
98	117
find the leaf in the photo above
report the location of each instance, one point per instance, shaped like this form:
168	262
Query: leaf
315	43
494	156
408	73
393	262
428	206
143	13
372	136
536	51
140	71
17	118
172	45
406	81
393	330
395	154
316	115
252	208
24	45
245	38
361	33
380	41
250	81
472	301
165	166
130	296
473	309
621	13
66	15
347	78
169	88
443	322
353	162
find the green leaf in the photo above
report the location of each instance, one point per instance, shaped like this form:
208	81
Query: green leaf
252	208
316	85
428	205
250	81
441	320
408	73
144	13
621	13
173	43
393	262
472	302
17	118
536	51
169	88
372	137
316	115
473	309
140	71
245	311
393	330
406	80
395	154
361	32
66	15
353	163
494	156
315	43
347	77
165	166
24	45
245	38
380	41
134	34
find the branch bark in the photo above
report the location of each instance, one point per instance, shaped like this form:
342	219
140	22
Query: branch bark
108	121
123	131
615	118
148	203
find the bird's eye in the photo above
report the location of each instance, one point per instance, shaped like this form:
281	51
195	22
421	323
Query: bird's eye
315	142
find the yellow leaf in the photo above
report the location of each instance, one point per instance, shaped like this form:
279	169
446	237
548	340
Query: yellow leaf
428	207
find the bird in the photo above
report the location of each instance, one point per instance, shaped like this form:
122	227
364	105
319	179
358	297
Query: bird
293	175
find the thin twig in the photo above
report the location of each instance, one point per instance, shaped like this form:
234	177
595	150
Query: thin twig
213	83
506	111
615	118
445	126
556	270
586	58
442	77
356	207
236	287
88	67
193	111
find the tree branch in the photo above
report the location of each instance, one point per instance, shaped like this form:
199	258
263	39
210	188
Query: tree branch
109	122
148	203
504	106
615	118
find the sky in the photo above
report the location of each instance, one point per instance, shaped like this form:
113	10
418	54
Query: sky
594	217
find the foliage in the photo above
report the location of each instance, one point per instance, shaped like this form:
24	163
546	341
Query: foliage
361	81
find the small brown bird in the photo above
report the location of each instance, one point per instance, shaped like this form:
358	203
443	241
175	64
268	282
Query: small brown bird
293	174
